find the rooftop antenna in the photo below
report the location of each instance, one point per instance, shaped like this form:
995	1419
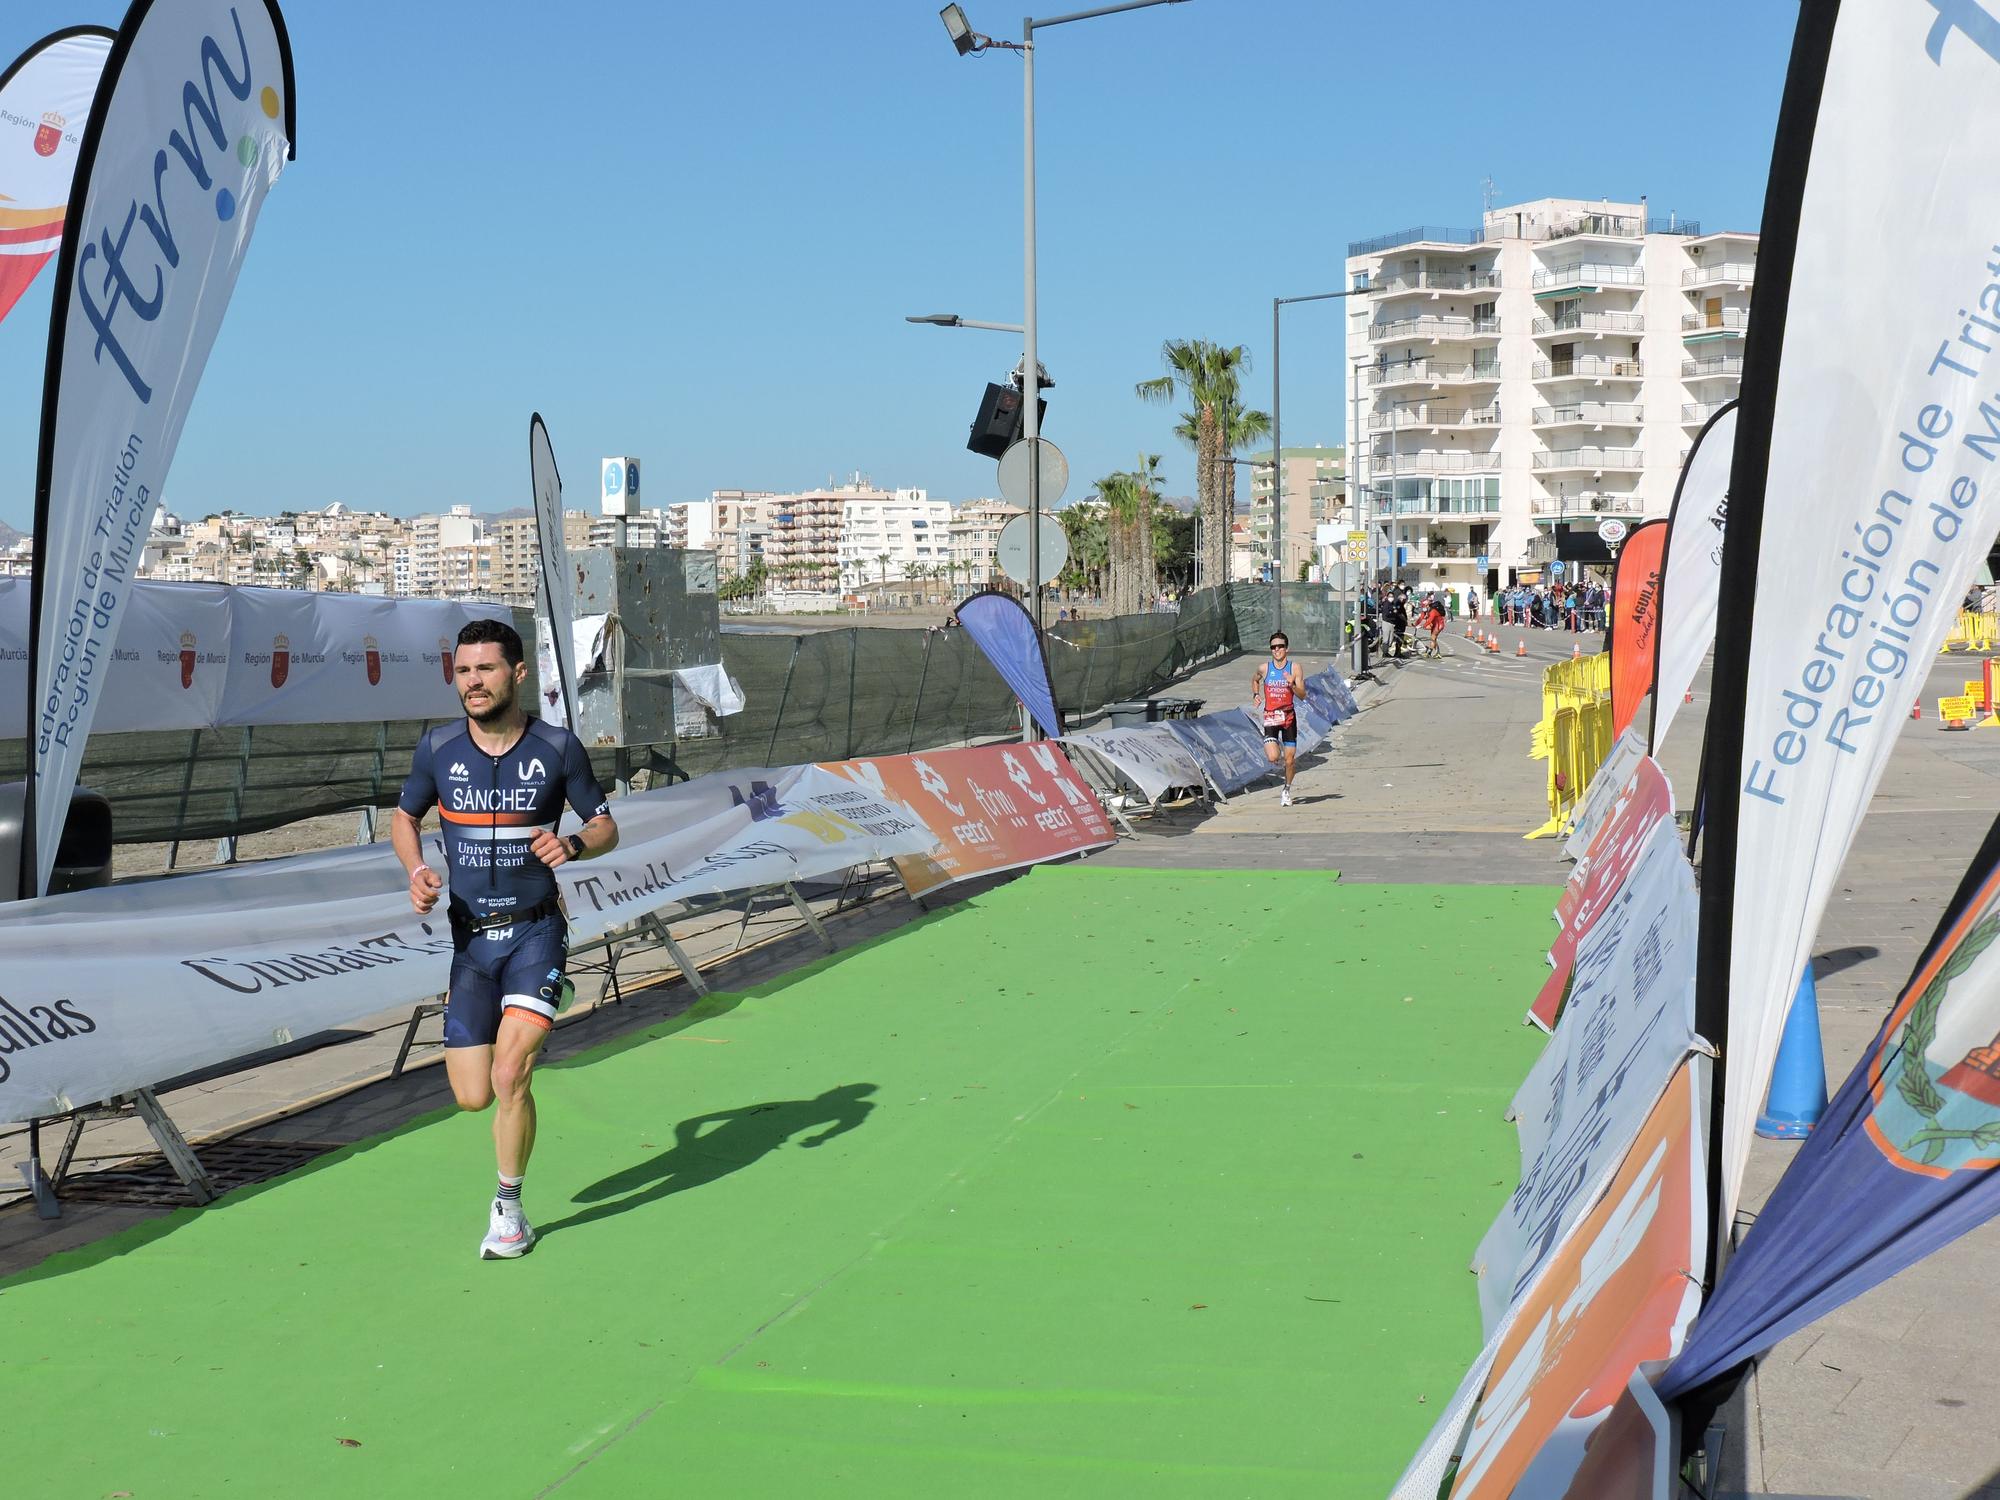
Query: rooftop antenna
1486	194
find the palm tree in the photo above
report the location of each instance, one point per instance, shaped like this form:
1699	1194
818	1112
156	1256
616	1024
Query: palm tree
1207	375
882	562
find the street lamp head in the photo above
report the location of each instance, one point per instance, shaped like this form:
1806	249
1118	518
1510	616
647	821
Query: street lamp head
942	320
963	37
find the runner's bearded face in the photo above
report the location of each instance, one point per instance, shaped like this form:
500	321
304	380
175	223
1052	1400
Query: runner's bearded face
486	683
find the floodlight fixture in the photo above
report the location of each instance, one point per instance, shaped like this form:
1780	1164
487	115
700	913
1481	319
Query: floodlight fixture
963	37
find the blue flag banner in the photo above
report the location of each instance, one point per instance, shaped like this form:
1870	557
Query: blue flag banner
1903	1162
1001	628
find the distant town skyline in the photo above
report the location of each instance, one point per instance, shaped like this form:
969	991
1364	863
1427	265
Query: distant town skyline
432	268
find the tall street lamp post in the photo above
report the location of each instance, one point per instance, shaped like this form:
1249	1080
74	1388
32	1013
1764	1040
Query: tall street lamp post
966	40
1278	442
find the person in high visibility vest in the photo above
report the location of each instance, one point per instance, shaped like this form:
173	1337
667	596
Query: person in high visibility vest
1278	686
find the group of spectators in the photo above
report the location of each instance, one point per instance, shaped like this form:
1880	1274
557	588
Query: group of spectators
1558	606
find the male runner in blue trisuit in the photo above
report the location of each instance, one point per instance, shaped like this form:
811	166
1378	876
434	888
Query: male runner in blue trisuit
499	780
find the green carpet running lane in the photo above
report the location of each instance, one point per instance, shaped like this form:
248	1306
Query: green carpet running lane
1106	1183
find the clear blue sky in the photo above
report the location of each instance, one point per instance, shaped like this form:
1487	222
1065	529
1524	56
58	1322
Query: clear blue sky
691	232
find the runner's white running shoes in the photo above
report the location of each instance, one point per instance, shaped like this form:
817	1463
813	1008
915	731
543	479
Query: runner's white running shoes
508	1233
1285	797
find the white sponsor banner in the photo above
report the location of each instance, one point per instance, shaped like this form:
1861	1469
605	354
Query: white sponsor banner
1148	756
1628	1023
1883	486
45	97
1691	576
106	991
211	656
555	589
1606	787
190	128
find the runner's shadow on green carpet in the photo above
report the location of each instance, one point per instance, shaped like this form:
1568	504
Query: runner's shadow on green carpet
735	1139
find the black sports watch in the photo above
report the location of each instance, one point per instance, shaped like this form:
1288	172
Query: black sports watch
575	843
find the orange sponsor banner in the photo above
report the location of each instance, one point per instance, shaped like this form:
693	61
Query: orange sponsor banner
1619	1295
1635	619
991	808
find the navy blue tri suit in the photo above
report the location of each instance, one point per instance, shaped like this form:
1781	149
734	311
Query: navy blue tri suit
507	928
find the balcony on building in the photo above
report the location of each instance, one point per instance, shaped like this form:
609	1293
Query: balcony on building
1722	323
1697	413
1587	323
1429	414
1433	283
1589	460
1587	276
1388	465
1588	367
1593	414
1728	273
1713	367
1583	507
1434	328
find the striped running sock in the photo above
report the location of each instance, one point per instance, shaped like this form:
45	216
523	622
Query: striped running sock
510	1191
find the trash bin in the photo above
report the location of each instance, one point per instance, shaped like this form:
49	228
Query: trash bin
83	857
1130	714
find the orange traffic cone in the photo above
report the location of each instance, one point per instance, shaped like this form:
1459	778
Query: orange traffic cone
1576	653
1917	709
1468	630
1493	643
1520	648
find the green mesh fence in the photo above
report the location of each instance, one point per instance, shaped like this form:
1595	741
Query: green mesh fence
1313	616
810	695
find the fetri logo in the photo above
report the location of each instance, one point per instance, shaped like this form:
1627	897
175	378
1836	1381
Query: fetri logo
48	136
38	1026
133	271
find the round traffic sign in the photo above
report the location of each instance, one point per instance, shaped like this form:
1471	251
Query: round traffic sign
1014	472
1612	530
1012	548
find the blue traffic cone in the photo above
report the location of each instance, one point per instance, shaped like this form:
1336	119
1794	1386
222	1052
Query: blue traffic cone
1798	1082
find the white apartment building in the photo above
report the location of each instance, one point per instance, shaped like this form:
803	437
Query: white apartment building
429	537
884	536
742	527
1315	492
1547	370
975	541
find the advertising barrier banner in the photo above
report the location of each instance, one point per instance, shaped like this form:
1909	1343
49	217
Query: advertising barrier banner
191	123
1905	1159
1229	747
1594	884
1618	1297
1691	575
1603	792
212	656
45	96
1627	1024
990	808
1148	756
1876	426
110	990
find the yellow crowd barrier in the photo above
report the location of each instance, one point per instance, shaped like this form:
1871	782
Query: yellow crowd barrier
1574	734
1973	632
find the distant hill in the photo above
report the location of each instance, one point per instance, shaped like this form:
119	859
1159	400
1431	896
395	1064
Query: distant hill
8	535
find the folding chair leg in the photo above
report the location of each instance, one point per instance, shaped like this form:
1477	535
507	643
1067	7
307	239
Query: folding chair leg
805	911
417	1015
173	1146
46	1206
